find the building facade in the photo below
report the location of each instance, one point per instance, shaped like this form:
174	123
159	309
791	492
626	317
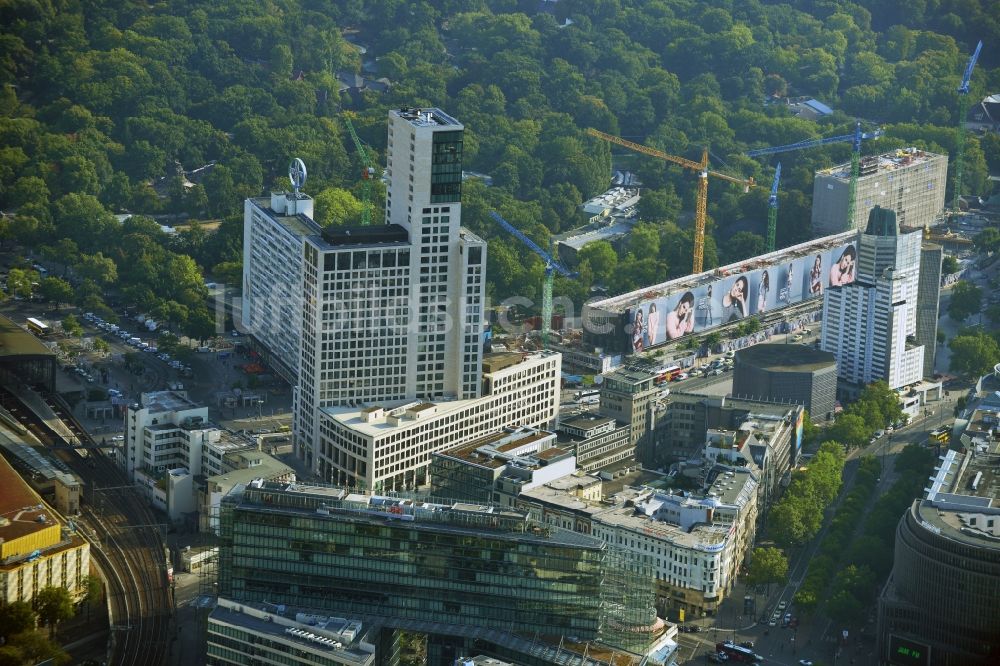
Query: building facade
939	604
389	447
455	572
928	302
271	307
870	325
244	634
910	182
695	544
35	550
787	373
496	468
625	396
596	441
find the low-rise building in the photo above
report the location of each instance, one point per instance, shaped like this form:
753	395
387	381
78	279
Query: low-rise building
35	550
389	446
681	422
249	633
596	441
694	543
496	468
241	467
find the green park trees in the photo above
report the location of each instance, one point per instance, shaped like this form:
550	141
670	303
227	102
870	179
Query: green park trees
797	516
53	605
966	299
767	565
974	352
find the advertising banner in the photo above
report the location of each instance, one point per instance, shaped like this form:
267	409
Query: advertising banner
737	296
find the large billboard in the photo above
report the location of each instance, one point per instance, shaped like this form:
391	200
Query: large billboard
738	295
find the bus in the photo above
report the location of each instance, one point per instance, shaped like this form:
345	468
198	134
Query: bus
942	434
738	652
669	374
39	328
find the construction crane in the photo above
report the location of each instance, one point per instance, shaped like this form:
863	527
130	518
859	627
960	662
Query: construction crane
367	173
963	109
854	138
551	268
701	203
772	213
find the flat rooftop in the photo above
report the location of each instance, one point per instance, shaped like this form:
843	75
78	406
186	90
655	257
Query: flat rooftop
430	117
167	401
702	536
586	421
15	341
360	506
298	225
318	634
375	234
786	358
887	162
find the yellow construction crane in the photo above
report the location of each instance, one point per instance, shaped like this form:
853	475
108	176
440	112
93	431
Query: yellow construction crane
704	172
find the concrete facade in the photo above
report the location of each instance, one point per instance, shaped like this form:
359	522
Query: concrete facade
787	373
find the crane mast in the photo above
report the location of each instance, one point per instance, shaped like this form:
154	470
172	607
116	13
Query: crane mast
551	268
701	202
963	109
367	173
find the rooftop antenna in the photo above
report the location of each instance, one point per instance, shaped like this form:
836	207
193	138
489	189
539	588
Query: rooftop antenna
297	174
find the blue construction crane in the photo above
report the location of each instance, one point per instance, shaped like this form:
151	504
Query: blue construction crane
963	109
551	268
854	138
772	213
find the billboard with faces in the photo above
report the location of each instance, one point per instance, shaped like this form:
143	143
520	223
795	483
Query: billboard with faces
736	296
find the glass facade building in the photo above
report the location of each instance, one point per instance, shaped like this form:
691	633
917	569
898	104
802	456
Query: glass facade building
407	560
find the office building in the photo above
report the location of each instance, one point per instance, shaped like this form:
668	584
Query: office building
271	307
35	550
682	422
870	324
625	396
596	441
496	468
241	467
246	634
928	303
389	447
787	373
694	543
170	443
466	575
909	182
939	605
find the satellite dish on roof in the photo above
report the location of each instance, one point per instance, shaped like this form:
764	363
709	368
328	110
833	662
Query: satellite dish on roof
297	174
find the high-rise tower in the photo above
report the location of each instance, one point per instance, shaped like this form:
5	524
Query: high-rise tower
869	325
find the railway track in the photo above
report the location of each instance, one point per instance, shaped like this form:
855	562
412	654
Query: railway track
128	545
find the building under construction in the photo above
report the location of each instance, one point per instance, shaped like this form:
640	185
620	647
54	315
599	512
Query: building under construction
909	181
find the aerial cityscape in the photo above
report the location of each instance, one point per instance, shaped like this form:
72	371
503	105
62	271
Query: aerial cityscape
488	333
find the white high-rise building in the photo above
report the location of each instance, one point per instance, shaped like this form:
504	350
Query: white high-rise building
869	324
388	314
271	307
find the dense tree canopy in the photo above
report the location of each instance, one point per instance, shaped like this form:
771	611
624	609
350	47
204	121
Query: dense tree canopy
103	105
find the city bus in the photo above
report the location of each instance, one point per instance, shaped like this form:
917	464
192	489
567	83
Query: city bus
738	652
39	328
668	374
942	435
